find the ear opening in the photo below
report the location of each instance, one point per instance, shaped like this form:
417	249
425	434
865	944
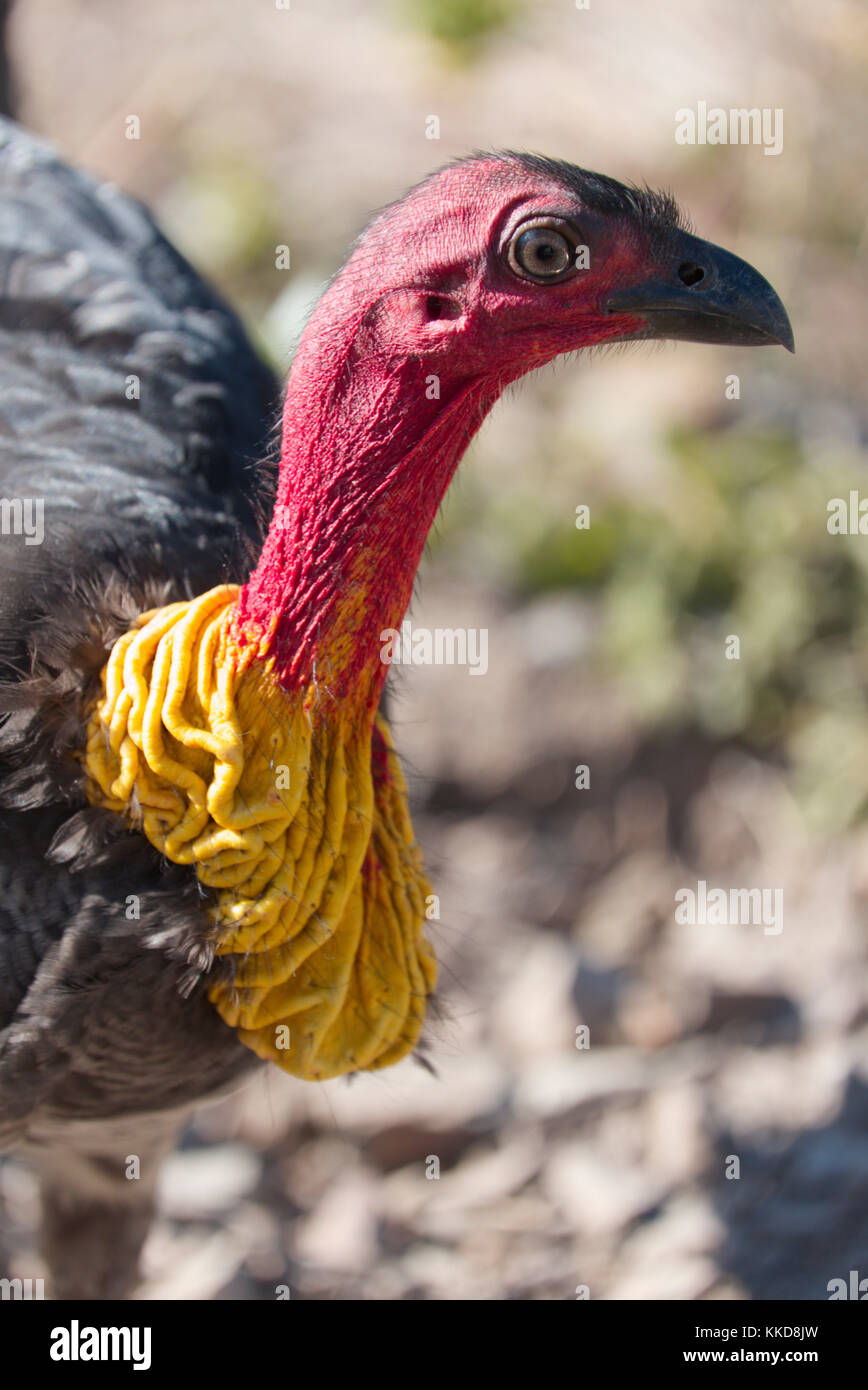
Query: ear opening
440	306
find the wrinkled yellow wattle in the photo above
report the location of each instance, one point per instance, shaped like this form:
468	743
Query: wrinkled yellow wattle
320	892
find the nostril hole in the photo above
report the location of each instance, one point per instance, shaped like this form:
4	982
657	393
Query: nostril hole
690	274
434	306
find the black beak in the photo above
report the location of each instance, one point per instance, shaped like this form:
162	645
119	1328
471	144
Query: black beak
705	295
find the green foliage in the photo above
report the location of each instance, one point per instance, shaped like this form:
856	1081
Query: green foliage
461	26
222	214
738	547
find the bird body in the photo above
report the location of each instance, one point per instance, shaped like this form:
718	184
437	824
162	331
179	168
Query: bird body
208	855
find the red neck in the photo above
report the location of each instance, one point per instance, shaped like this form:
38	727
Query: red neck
366	459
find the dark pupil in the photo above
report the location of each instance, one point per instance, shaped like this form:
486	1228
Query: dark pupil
542	253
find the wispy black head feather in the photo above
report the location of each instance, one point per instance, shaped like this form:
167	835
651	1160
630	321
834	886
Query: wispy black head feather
652	209
647	206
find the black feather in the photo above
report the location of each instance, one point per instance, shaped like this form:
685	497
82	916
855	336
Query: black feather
103	1012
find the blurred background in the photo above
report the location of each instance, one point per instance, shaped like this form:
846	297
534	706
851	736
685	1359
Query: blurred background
560	1167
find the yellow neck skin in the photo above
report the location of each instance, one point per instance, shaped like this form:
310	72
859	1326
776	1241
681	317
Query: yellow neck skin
320	892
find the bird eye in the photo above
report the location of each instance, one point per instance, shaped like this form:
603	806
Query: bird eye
542	253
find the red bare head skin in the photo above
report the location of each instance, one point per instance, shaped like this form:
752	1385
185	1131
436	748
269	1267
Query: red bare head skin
474	278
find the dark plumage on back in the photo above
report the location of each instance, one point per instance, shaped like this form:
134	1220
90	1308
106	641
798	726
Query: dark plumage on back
131	402
132	407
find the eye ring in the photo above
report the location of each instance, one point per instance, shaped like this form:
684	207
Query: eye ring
543	250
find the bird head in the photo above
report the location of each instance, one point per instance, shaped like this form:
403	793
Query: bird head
497	264
488	269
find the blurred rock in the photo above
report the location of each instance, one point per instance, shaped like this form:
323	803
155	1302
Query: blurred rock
195	1184
534	1014
340	1234
561	1085
598	1195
